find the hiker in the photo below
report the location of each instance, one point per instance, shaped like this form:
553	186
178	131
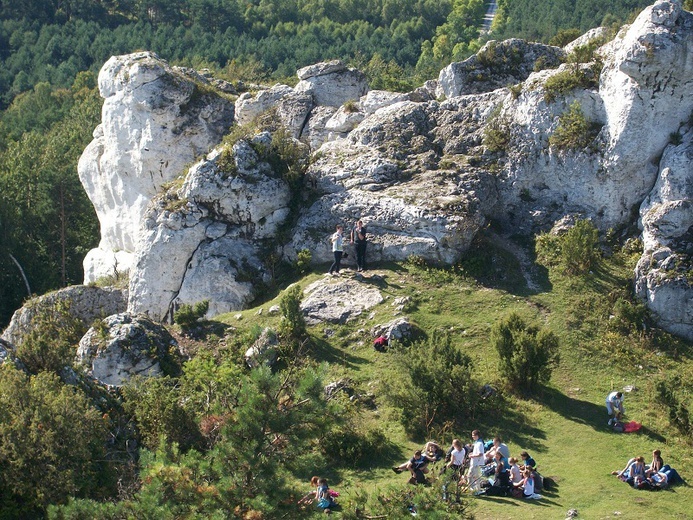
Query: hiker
657	462
325	496
636	473
337	249
527	484
476	460
514	469
313	495
416	466
457	456
498	445
527	460
358	238
433	450
380	343
614	406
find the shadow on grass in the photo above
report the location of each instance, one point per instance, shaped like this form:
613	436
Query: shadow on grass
506	420
576	410
322	350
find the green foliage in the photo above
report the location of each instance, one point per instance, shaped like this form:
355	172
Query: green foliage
672	394
434	384
564	37
393	502
275	420
542	21
568	80
303	259
574	131
497	133
51	444
156	405
46	220
527	354
187	316
51	342
293	325
575	252
350	446
453	38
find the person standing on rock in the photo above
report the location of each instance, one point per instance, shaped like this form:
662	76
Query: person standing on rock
337	249
358	237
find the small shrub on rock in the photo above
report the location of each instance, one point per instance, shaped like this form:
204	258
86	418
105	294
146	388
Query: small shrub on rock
187	316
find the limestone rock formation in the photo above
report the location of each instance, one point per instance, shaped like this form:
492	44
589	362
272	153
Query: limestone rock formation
424	174
126	345
263	350
332	83
83	302
206	244
155	120
497	65
664	274
398	329
338	302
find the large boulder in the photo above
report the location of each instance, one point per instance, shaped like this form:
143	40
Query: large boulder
203	241
662	276
338	302
291	107
126	345
332	83
82	302
497	65
155	120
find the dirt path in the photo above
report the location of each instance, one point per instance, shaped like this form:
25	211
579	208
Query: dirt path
529	268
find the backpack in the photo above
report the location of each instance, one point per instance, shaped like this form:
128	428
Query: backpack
618	427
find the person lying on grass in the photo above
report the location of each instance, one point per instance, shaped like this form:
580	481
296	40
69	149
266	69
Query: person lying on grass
416	466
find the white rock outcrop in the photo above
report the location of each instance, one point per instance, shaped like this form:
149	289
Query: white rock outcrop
332	83
425	175
83	302
127	345
338	302
155	120
664	276
206	244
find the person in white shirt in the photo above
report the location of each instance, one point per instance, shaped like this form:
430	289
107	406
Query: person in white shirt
457	455
476	460
614	406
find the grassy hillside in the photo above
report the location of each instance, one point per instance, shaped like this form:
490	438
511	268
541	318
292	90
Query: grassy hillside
563	425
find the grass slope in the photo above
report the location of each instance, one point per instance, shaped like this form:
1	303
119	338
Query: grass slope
564	424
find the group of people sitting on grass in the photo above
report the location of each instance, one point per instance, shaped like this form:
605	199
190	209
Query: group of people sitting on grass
655	475
321	495
484	468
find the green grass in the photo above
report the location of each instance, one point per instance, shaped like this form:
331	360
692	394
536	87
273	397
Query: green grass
563	425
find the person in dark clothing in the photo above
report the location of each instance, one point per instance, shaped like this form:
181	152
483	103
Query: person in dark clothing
359	239
416	466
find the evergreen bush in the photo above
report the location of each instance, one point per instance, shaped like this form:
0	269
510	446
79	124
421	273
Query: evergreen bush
527	354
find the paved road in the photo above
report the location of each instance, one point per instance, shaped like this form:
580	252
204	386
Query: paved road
488	18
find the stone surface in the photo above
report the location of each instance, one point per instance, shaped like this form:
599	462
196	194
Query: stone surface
423	172
125	345
333	85
212	243
155	120
398	329
663	274
495	66
263	350
338	302
84	303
